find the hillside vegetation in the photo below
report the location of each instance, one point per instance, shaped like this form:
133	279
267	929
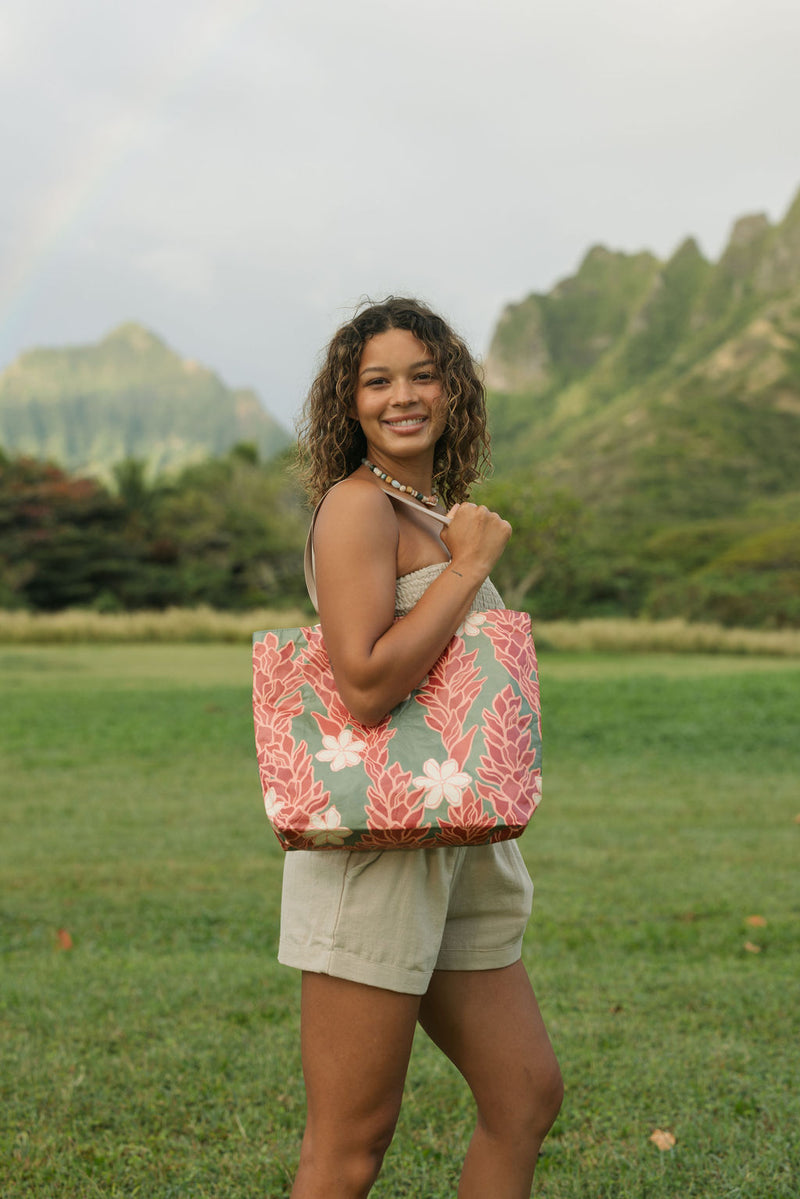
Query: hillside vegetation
130	396
659	389
663	398
645	424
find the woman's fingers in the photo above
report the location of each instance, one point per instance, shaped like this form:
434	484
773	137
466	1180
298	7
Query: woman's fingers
476	535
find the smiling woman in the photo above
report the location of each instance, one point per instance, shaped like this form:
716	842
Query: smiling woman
331	436
390	938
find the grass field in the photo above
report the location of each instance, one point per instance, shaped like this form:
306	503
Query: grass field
150	1040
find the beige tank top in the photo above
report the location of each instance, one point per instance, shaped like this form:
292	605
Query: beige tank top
411	587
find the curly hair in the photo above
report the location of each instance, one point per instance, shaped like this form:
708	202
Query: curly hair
331	442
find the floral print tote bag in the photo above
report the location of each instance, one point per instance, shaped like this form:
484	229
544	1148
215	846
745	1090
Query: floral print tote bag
458	762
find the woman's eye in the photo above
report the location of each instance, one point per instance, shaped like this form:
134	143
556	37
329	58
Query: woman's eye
376	382
426	377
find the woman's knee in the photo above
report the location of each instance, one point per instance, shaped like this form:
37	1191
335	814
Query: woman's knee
530	1107
353	1154
552	1094
376	1139
546	1094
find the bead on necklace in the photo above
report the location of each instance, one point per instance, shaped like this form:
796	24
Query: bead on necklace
430	501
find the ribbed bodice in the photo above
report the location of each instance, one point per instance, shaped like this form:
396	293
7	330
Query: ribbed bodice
411	587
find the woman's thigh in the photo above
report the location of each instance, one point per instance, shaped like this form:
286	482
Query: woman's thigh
489	1024
356	1042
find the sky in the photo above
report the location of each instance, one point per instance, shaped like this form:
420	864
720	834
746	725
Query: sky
238	174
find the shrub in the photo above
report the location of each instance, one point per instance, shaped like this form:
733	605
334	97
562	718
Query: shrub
754	583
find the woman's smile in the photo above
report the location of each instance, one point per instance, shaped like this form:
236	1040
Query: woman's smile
403	424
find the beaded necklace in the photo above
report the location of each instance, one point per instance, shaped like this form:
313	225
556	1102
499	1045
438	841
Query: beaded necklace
430	501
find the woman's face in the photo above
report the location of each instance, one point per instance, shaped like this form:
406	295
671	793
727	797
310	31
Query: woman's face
399	401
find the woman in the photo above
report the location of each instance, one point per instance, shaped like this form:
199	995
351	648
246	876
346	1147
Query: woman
389	939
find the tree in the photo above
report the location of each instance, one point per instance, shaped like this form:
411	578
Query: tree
548	528
61	538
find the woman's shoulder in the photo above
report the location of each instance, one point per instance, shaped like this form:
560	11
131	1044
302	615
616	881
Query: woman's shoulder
356	501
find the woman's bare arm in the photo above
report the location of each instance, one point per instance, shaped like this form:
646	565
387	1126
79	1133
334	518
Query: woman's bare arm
376	660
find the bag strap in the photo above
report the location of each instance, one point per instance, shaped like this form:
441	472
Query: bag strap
308	556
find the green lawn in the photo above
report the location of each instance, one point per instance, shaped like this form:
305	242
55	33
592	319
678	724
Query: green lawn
158	1055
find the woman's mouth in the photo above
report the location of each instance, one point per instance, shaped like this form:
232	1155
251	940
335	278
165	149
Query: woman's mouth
406	422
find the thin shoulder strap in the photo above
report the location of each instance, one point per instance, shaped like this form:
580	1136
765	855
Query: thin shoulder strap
308	557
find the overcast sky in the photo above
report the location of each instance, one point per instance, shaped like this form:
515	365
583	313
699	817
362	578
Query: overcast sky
236	174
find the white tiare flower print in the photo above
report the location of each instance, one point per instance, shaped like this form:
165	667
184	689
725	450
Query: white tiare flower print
442	782
342	750
472	625
326	828
272	805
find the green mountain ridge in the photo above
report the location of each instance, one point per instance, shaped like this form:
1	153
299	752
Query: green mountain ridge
658	391
127	396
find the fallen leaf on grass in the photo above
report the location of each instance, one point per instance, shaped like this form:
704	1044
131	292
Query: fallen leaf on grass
64	939
756	921
751	948
797	818
663	1140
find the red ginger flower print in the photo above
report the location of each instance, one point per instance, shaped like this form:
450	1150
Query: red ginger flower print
392	800
514	649
315	669
468	821
406	838
498	781
453	685
276	677
505	770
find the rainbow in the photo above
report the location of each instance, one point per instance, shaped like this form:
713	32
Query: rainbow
81	191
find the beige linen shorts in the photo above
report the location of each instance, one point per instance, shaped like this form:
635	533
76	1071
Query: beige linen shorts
392	917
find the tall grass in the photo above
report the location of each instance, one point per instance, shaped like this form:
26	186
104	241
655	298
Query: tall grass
201	624
658	636
204	624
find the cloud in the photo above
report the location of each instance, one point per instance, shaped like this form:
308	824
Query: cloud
237	173
181	269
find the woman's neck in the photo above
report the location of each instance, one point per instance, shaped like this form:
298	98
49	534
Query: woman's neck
415	473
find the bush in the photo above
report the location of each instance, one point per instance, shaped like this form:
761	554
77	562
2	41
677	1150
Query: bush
755	583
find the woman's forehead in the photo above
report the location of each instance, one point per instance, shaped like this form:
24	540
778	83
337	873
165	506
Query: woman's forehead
394	345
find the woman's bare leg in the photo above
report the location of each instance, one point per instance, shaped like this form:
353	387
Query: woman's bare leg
489	1024
356	1041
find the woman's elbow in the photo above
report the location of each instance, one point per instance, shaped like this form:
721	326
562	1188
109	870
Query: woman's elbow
365	710
365	703
368	693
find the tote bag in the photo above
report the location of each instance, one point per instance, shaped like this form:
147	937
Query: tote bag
458	762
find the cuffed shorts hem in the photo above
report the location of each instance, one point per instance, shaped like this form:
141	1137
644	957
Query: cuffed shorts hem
488	959
356	969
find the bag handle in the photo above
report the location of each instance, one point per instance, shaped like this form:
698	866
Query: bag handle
308	556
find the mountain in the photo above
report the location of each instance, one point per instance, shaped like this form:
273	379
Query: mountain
128	396
659	391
